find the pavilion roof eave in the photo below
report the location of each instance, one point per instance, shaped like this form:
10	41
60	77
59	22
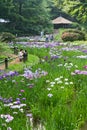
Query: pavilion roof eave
61	20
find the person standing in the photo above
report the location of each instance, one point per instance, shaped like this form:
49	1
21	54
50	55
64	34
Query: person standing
52	37
25	56
20	54
47	38
42	33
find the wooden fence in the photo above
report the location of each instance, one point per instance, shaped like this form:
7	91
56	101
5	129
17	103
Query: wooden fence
6	61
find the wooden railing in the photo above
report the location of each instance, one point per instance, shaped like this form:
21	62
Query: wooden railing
6	61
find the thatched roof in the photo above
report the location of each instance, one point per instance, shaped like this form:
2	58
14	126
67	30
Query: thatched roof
61	20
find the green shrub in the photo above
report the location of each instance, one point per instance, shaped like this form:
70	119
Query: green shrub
73	35
7	37
76	25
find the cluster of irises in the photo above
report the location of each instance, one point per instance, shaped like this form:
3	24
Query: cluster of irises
48	92
8	74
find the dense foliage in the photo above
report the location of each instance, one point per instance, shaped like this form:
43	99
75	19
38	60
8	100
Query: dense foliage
77	8
25	16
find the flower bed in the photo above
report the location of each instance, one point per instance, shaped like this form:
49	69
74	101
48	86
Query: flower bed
49	95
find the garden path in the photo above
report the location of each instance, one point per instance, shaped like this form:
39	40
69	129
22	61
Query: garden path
15	61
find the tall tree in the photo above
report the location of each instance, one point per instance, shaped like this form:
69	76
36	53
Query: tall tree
37	13
78	9
19	4
26	16
55	8
58	3
5	8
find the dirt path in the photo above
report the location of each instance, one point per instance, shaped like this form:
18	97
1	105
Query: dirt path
15	61
84	127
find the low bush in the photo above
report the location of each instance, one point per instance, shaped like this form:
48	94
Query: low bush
7	37
73	35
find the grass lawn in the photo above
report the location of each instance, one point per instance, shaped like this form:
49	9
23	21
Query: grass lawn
19	66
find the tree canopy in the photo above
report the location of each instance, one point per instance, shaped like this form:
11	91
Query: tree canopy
33	16
25	16
78	9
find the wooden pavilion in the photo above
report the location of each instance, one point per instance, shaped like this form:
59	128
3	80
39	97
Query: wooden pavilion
61	22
